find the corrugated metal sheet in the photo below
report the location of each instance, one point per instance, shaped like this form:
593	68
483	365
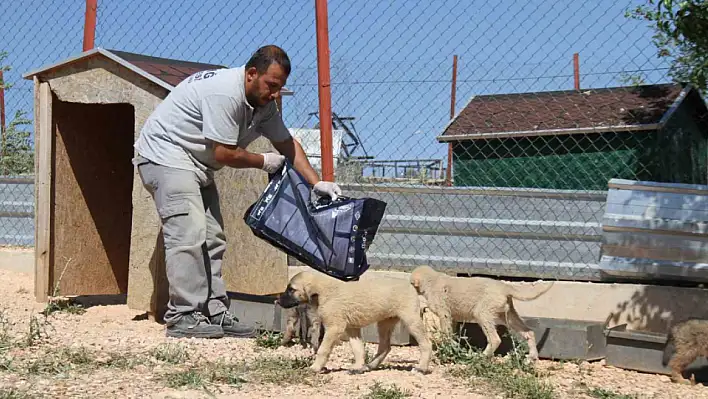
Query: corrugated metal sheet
656	231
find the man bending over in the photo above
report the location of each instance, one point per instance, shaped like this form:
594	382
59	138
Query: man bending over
205	123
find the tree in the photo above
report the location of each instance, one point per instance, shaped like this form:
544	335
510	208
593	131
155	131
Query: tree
681	34
16	151
17	154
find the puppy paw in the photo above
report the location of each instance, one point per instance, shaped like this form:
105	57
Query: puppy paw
531	359
682	381
316	369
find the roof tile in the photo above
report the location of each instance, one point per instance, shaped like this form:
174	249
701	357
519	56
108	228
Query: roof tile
564	109
168	70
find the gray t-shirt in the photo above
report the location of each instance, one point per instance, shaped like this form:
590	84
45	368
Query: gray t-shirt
208	105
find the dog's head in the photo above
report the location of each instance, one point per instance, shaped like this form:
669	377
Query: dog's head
302	288
421	277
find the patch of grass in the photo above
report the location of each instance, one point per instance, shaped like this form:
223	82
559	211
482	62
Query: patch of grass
57	304
452	350
269	339
378	391
63	305
266	370
124	361
61	361
170	353
512	374
190	378
36	331
6	363
6	341
67	359
282	370
13	393
225	373
601	393
557	365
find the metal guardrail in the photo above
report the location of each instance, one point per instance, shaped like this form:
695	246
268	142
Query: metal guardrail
528	233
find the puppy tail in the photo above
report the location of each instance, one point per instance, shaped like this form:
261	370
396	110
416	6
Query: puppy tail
669	350
529	294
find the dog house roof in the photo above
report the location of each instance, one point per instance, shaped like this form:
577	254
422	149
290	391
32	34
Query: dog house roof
565	112
165	72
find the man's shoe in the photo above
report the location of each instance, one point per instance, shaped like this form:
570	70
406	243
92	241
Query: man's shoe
194	325
231	326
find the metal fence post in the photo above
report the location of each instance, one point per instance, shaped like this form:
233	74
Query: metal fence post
324	90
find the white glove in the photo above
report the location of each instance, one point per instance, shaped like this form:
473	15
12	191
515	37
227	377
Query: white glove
272	162
328	188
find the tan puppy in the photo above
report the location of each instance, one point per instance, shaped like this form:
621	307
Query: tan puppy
349	307
484	300
686	341
299	316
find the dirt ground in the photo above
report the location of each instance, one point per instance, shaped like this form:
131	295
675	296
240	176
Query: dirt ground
111	351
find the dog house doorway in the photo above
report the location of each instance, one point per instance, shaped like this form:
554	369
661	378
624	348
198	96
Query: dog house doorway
92	186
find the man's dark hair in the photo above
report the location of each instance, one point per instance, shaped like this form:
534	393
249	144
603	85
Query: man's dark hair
267	55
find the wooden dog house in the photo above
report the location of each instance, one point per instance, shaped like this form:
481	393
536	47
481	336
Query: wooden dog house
97	229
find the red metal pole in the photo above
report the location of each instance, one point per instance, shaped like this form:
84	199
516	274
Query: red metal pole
576	71
452	115
2	107
90	24
3	138
324	90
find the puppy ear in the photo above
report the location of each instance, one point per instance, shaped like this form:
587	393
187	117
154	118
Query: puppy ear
311	296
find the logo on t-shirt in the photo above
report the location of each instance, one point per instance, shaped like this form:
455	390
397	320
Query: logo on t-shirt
202	75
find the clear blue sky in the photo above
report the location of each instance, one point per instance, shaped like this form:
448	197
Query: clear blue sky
391	60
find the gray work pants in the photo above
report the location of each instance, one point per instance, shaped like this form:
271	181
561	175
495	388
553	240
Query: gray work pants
193	232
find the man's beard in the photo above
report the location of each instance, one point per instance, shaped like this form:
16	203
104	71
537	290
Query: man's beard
253	100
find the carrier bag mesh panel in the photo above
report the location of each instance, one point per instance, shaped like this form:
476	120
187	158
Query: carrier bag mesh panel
329	236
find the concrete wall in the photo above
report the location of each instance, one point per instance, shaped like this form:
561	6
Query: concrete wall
640	306
17	260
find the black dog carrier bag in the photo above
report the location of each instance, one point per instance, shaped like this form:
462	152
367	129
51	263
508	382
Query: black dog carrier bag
329	236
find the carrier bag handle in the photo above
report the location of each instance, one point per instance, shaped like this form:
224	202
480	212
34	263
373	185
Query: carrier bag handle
318	232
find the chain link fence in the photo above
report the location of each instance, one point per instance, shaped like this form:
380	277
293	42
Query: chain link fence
490	140
34	33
